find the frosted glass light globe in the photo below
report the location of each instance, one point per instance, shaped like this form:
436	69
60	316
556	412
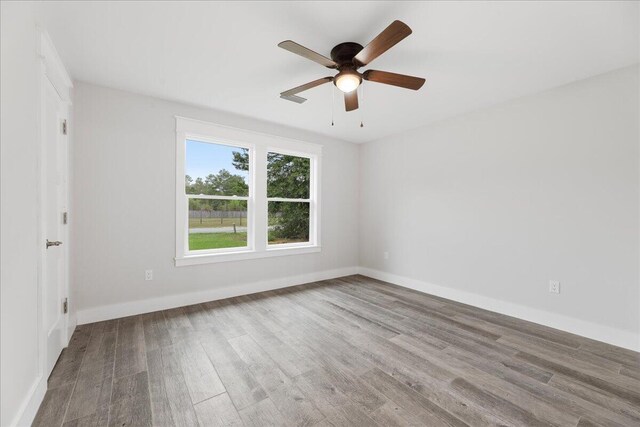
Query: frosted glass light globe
348	81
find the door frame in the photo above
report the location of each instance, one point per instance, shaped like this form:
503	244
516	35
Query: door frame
52	72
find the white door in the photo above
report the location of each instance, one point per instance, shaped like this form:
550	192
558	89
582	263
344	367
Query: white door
54	164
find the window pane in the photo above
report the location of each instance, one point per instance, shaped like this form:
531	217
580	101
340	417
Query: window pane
216	169
288	222
288	176
215	224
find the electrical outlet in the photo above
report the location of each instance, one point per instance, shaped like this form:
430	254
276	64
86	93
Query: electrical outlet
148	275
386	255
554	286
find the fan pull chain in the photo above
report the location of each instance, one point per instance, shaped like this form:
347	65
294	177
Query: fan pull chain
362	105
333	102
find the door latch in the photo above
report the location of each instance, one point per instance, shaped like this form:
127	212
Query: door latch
54	243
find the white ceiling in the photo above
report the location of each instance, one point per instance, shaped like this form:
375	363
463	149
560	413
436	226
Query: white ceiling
224	55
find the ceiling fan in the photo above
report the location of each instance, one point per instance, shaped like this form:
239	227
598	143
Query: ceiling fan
347	58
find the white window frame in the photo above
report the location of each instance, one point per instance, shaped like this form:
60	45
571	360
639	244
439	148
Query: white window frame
258	144
312	200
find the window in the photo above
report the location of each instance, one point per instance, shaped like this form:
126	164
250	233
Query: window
217	188
243	195
288	179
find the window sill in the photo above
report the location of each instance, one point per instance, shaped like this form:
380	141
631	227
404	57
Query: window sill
245	255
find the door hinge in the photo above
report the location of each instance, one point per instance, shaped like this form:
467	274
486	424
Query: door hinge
65	217
64	127
65	306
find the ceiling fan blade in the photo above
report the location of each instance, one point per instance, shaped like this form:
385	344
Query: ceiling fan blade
298	49
306	86
294	98
351	100
400	80
391	35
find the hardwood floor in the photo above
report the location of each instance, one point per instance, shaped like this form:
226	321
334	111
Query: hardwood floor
351	351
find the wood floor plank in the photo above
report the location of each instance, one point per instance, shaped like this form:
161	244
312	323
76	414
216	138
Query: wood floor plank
362	321
600	397
573	358
178	324
349	415
422	408
441	394
199	316
525	327
287	358
218	412
93	387
314	348
177	318
199	374
130	347
408	308
347	351
263	414
585	422
53	406
100	418
130	403
391	414
629	358
291	403
357	390
295	406
630	395
160	405
242	387
318	387
545	401
328	344
223	311
68	365
502	381
394	291
502	407
175	388
263	368
631	373
156	331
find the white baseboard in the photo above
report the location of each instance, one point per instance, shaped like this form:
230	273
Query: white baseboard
72	322
114	311
618	337
31	403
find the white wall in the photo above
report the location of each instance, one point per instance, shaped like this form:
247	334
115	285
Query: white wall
124	209
19	115
489	206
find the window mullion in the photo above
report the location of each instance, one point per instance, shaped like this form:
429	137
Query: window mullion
260	216
216	197
285	199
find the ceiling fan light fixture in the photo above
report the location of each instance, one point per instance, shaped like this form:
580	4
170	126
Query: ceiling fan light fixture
347	58
347	80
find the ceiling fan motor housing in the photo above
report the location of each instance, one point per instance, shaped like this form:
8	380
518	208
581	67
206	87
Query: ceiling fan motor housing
348	78
344	53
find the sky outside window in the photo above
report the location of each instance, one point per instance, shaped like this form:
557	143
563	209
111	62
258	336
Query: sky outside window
204	158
